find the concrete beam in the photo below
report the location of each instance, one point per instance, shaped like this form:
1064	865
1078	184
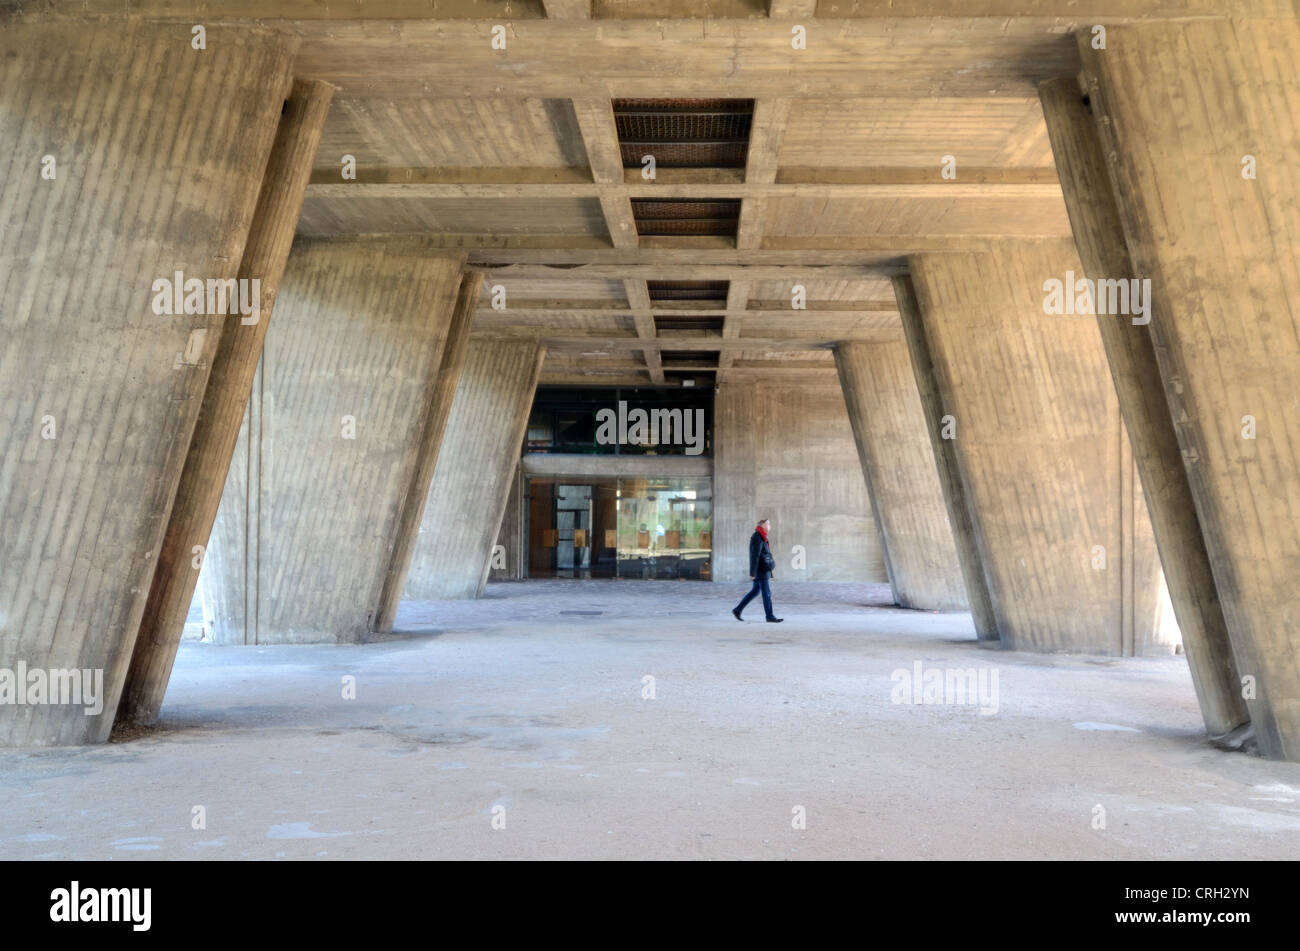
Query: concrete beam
1131	355
1198	120
555	464
99	392
367	54
471	484
889	429
638	305
409	187
404	12
599	132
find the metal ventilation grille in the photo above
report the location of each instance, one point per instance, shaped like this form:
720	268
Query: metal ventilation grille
657	216
745	106
679	126
687	322
688	290
686	154
684	133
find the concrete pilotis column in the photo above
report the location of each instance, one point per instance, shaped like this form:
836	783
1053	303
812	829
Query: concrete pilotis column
304	536
510	567
471	484
233	368
1042	452
944	454
435	426
100	383
889	429
1131	355
1198	123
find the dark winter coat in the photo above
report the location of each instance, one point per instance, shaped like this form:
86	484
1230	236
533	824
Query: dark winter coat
761	561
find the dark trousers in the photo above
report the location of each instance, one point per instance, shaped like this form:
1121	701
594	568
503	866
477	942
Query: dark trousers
762	584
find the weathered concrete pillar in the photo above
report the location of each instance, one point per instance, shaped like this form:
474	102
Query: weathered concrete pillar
435	426
348	373
233	367
510	566
783	449
112	187
480	450
898	464
1099	237
943	451
1198	122
1042	452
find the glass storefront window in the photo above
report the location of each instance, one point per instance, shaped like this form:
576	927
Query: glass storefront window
642	528
665	528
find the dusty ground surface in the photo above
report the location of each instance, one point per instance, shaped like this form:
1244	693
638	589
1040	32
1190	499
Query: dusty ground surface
528	707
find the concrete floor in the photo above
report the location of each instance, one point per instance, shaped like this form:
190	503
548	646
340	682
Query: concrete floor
531	700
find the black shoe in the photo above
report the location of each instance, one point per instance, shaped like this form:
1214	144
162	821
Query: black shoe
775	620
736	613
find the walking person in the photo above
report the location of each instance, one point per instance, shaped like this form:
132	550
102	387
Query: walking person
761	565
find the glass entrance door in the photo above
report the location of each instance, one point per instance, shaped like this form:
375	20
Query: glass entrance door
572	531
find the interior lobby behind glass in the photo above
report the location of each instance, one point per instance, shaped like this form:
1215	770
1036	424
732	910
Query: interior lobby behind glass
644	528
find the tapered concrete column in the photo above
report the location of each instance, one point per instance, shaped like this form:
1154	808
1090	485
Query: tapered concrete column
233	367
480	450
510	565
890	431
435	425
1198	122
1058	515
944	453
112	185
349	369
1099	237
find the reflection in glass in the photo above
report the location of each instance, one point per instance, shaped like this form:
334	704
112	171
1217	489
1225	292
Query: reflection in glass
665	528
645	528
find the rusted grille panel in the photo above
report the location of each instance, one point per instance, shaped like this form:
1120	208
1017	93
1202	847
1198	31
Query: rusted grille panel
684	133
685	154
664	322
676	217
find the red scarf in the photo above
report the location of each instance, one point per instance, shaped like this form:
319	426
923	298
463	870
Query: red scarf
761	530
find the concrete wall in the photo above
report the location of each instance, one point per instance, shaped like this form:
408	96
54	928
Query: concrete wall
307	522
785	451
158	154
